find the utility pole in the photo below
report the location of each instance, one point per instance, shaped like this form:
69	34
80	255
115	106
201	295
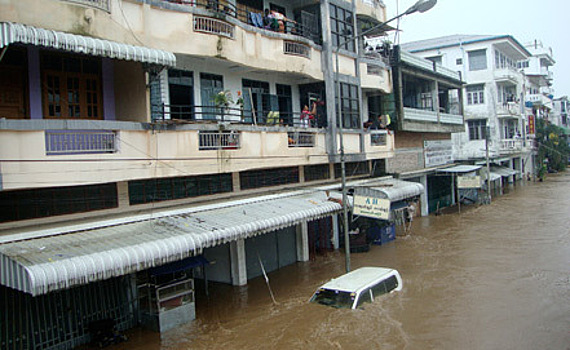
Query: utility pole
487	132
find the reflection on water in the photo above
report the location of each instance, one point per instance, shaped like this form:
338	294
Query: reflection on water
492	277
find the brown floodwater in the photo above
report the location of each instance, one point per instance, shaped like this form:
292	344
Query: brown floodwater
492	277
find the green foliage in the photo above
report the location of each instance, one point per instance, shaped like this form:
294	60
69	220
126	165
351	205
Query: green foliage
551	146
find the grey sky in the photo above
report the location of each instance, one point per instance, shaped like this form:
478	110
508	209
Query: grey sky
526	20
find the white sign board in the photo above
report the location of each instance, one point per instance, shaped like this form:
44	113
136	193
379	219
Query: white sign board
371	207
469	182
438	152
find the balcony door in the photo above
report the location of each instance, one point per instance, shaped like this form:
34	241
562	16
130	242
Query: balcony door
210	85
181	93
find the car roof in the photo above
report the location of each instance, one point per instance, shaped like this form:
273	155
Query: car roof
357	279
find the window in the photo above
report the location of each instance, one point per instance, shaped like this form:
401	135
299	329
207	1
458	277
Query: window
350	106
477	129
523	64
476	94
459	61
477	60
317	172
71	87
46	202
156	190
342	27
365	297
181	93
270	177
502	61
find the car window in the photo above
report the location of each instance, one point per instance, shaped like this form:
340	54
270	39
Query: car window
379	289
391	283
365	297
333	298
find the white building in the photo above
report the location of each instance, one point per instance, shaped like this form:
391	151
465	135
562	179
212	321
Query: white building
538	91
492	97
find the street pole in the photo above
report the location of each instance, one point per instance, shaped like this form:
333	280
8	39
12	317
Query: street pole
419	6
487	132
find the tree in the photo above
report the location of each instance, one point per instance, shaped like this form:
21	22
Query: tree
552	146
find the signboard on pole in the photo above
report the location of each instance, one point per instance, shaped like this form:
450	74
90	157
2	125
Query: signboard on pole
371	207
468	182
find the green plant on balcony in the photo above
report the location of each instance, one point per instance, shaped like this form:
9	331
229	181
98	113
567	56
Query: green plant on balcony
222	101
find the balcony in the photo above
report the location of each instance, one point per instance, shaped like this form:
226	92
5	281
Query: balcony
422	115
375	76
375	9
538	99
508	146
509	74
142	151
508	109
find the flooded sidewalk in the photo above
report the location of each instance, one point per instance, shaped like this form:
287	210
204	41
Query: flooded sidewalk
492	277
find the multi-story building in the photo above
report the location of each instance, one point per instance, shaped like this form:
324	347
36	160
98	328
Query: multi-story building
493	98
426	109
140	139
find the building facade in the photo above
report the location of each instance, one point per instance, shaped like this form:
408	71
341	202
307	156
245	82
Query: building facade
494	98
140	140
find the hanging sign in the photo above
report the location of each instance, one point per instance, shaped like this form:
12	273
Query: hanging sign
371	207
531	127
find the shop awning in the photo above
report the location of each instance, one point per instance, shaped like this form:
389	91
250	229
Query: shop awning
11	33
494	176
503	171
460	169
393	189
41	265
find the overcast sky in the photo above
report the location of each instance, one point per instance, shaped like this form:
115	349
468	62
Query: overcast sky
526	20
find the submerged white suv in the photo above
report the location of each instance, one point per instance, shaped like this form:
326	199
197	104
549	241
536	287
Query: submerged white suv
353	289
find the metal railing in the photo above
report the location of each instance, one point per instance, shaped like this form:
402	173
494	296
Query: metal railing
213	26
221	140
301	139
511	145
510	108
99	4
297	49
249	15
208	114
80	142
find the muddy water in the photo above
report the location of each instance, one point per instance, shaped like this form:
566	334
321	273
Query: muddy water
492	277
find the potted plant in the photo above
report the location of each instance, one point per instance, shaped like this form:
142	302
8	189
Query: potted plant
222	100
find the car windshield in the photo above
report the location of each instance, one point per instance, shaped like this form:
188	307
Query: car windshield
333	298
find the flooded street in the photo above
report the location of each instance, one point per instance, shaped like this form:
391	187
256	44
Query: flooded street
492	277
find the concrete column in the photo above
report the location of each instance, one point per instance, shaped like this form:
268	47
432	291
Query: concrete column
123	194
453	196
336	235
238	263
303	242
34	82
235	182
301	174
424	197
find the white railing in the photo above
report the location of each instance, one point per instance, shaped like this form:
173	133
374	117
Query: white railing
420	114
451	118
378	137
100	4
80	142
213	26
448	72
301	139
297	49
416	61
219	140
510	108
511	145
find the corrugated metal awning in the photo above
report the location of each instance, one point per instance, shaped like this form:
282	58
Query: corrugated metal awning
503	171
460	169
393	189
19	33
41	265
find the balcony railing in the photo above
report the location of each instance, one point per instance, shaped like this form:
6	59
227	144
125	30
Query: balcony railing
208	114
420	114
301	139
451	118
511	145
509	108
296	49
246	14
80	142
213	26
226	140
99	4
